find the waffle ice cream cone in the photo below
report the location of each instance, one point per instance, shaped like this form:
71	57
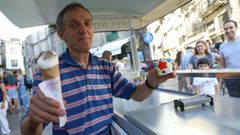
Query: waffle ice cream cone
48	64
50	73
51	85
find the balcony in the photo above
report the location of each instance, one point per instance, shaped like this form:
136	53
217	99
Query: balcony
212	7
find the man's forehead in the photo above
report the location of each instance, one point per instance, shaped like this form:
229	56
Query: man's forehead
77	11
229	24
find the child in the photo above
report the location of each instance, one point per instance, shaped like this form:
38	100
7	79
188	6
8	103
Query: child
205	85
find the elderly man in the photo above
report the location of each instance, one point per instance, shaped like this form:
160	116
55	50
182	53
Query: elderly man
88	83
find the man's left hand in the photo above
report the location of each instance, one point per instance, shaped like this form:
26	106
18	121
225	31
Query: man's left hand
154	79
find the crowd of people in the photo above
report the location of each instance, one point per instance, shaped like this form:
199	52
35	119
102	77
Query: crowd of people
13	96
223	55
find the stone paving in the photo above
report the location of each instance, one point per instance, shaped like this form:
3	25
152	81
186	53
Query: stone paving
14	123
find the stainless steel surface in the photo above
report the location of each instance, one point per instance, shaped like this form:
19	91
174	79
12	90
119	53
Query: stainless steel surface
222	73
126	125
158	97
221	119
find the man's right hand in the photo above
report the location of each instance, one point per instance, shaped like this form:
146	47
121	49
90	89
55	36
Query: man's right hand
43	109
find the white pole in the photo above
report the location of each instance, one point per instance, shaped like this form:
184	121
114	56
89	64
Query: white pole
133	47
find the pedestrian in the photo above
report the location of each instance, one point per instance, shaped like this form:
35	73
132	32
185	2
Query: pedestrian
177	61
229	52
88	83
215	52
3	110
177	66
205	85
11	87
201	51
107	55
28	83
184	66
22	91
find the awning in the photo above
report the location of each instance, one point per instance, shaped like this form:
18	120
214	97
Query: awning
109	15
114	47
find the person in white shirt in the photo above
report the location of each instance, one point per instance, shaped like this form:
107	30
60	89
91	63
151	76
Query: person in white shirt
205	85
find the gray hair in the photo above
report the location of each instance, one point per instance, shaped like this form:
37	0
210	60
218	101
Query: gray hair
69	7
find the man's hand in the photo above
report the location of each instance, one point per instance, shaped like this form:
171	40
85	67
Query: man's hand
43	109
142	91
155	80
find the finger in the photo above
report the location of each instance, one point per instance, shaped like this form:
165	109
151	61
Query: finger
48	105
41	116
49	101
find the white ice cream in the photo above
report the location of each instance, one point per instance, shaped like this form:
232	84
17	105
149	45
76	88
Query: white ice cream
47	60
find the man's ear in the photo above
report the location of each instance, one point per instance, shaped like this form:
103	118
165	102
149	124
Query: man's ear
60	34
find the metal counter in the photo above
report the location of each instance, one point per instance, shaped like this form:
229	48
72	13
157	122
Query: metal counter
220	73
221	119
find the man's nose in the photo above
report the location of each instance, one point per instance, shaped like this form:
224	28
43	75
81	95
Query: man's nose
228	30
82	28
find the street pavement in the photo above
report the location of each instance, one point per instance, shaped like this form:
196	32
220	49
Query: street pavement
14	123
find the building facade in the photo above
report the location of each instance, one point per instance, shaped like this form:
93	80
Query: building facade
197	20
11	57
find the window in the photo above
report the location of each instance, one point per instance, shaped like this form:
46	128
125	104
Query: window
111	36
13	51
211	26
222	18
14	63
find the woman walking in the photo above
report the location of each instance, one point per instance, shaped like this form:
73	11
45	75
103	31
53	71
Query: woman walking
4	126
22	91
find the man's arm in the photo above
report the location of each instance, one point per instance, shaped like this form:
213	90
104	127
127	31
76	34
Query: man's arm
143	91
217	89
221	63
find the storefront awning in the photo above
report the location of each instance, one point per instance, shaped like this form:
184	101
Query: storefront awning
108	15
114	47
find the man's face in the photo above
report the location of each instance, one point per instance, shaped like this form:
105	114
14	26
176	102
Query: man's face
230	30
78	32
203	66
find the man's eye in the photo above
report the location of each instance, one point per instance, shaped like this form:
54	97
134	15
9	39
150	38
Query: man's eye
73	25
88	23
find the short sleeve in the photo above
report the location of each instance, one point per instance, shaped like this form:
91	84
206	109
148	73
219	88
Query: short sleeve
122	87
196	81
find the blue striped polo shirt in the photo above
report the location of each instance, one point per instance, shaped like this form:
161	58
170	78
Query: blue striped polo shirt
88	93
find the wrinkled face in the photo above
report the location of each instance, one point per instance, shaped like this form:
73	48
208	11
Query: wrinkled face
78	32
203	66
230	30
200	47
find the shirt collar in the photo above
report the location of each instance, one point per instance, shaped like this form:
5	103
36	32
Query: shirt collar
69	60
